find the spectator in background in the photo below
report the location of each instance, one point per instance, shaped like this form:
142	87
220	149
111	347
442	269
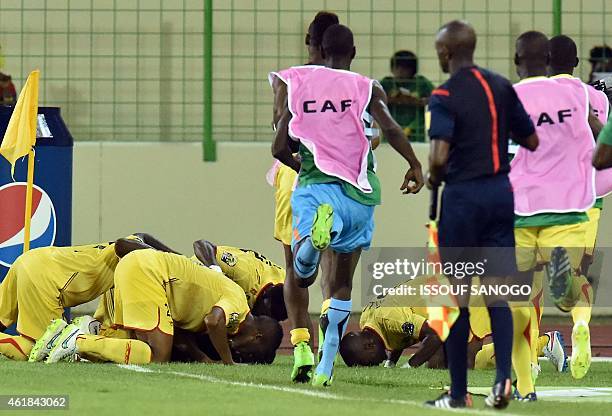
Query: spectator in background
408	94
8	94
600	58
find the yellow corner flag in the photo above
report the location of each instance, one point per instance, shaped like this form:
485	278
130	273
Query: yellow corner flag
19	141
20	134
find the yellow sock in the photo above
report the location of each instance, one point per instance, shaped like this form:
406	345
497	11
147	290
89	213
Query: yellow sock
325	306
542	341
582	292
299	335
485	358
15	347
521	349
121	351
534	334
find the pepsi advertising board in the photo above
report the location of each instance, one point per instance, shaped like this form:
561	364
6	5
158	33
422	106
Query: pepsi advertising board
52	193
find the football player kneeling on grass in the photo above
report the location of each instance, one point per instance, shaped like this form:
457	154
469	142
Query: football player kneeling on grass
156	292
385	332
44	281
260	279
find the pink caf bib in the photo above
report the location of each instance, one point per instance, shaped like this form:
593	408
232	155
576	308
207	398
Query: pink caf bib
558	176
328	107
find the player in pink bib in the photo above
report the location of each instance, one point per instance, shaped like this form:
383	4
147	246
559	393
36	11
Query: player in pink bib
553	187
333	204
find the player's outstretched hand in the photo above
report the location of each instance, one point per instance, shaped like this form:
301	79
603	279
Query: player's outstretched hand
413	181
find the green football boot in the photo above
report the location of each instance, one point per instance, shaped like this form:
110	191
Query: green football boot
320	233
303	361
322	380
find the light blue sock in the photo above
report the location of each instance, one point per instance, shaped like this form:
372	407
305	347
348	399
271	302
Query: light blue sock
306	260
338	316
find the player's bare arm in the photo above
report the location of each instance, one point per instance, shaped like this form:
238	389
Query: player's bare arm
215	325
602	158
281	149
205	251
280	99
430	343
594	123
530	142
124	246
413	180
438	156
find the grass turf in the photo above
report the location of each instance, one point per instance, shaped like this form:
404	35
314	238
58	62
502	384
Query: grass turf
253	390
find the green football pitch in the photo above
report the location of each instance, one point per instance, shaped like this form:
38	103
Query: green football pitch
247	390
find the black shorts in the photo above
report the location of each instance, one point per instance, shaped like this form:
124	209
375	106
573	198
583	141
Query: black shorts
477	224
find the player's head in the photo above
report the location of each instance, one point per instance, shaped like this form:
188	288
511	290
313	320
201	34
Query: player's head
271	302
563	55
455	42
338	47
257	340
314	37
532	54
600	58
364	348
404	64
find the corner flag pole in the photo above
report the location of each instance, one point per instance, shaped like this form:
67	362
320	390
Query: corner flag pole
28	204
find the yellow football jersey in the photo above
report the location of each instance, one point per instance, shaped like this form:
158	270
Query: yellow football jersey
398	326
43	281
154	289
81	273
249	269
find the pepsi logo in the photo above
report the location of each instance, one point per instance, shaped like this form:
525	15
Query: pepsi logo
12	208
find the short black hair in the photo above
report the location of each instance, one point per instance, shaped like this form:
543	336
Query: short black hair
563	52
533	46
338	41
600	53
362	349
269	343
405	59
322	21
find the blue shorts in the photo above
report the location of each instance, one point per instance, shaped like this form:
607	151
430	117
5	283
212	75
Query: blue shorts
353	222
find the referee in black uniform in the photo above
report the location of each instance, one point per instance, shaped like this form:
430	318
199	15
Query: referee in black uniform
473	114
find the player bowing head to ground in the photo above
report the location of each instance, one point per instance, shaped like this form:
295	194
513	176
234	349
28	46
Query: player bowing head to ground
44	281
197	347
333	204
387	324
261	279
156	292
472	116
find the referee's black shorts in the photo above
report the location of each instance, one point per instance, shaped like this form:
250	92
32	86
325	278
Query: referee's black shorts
477	224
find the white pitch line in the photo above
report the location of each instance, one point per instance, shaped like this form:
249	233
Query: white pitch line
304	392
